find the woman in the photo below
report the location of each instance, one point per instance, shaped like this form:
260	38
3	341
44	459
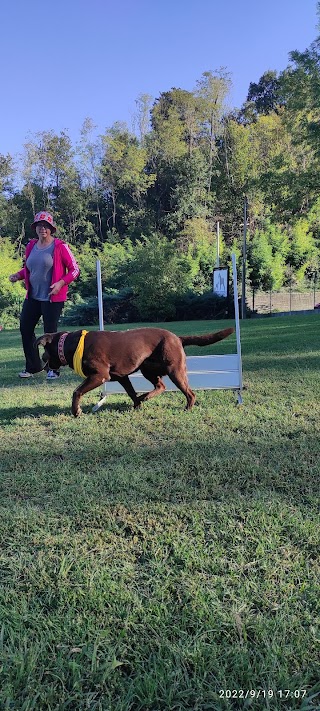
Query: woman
49	268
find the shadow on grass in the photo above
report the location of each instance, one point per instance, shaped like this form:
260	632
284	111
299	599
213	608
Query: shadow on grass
10	414
10	379
76	474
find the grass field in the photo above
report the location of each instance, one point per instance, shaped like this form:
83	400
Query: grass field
156	559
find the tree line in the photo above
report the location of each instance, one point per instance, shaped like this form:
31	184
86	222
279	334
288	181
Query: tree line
147	202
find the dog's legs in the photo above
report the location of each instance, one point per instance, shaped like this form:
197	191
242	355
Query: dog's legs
91	382
158	383
128	387
180	379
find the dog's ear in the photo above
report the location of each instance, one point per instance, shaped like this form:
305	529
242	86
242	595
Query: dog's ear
46	338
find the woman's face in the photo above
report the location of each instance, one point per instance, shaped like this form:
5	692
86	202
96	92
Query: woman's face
43	229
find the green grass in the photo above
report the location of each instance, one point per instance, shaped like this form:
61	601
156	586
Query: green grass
150	559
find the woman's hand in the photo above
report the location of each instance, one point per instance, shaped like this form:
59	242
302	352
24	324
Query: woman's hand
55	288
13	278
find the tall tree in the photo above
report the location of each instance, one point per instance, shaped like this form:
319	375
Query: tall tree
47	158
141	120
124	173
263	97
300	85
212	90
7	173
90	155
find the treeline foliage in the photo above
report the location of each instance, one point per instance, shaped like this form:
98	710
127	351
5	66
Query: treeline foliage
147	203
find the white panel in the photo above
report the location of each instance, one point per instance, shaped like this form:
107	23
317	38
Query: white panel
212	362
204	373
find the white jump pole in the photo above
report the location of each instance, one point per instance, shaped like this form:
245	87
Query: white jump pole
236	314
103	394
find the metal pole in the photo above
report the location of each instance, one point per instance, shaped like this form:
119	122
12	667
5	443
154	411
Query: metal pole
244	257
100	300
290	297
236	314
218	245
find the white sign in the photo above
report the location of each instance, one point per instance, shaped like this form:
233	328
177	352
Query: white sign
220	282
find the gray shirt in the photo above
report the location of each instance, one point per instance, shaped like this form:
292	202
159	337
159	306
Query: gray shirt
40	264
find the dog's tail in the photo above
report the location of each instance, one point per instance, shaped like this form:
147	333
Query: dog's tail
206	339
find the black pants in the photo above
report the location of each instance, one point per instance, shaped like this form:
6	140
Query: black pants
31	313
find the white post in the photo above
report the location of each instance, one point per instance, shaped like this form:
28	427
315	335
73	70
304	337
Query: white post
103	394
236	314
218	245
244	260
100	301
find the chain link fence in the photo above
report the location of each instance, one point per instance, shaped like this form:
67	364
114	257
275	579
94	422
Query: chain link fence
284	301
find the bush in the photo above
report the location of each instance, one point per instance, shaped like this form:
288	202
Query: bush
10	317
11	295
159	276
205	306
81	312
118	307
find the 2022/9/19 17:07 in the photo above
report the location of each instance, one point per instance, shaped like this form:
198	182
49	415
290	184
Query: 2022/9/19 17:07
262	693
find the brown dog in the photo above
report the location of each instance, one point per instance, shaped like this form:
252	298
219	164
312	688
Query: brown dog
114	355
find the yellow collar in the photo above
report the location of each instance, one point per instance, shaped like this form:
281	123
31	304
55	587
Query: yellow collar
77	358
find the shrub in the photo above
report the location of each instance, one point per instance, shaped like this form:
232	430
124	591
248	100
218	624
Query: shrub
159	275
118	307
204	306
11	295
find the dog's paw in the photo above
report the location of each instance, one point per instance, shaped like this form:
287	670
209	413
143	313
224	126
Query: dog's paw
140	399
77	412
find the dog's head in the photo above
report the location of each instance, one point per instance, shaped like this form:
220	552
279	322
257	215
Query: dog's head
50	343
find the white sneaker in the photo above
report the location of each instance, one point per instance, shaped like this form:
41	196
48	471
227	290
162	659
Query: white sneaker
25	374
52	375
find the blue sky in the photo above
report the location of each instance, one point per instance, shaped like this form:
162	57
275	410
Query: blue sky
65	60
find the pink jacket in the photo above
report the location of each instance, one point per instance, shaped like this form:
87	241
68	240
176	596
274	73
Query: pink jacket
64	267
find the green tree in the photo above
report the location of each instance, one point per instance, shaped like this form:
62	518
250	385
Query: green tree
142	116
11	295
90	155
47	158
181	155
303	255
263	97
7	175
300	86
125	178
266	267
158	275
212	90
197	241
176	118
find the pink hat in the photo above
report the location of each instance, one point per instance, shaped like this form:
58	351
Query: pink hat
43	217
